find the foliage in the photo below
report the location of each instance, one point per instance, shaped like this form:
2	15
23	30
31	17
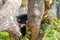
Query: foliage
53	31
5	36
54	2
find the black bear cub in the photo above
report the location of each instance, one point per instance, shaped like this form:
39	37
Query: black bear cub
21	19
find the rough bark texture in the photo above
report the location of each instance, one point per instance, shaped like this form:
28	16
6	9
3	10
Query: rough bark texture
35	14
7	18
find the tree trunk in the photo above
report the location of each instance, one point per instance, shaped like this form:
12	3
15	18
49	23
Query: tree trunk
7	18
35	14
58	9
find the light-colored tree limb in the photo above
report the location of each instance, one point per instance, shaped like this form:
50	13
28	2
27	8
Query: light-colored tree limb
7	18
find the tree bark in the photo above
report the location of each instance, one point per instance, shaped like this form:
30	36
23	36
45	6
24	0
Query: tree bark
35	15
7	18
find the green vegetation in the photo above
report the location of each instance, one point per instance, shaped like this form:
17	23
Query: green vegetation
53	30
5	36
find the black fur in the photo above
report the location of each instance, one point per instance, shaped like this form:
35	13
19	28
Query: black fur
22	19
